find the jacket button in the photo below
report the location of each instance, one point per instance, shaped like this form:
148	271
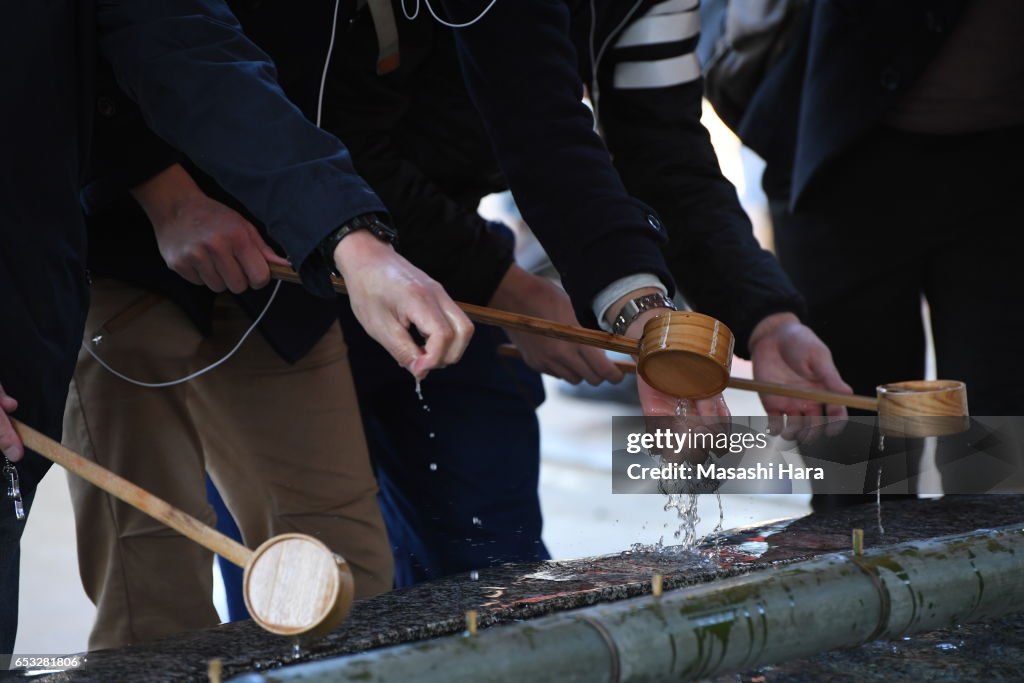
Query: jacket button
890	78
654	222
105	106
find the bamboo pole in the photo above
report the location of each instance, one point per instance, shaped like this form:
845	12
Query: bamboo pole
833	601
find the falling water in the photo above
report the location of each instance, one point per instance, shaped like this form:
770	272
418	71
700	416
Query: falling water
433	467
878	500
685	505
682	407
474	575
717	531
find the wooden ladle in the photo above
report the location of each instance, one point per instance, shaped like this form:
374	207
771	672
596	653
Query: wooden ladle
293	584
917	408
681	353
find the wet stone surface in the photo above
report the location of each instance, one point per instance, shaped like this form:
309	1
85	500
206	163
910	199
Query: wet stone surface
987	651
516	592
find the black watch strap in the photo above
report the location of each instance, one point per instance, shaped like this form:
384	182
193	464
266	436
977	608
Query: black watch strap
368	221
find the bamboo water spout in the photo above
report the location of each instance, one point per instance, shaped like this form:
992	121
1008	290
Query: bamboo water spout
835	601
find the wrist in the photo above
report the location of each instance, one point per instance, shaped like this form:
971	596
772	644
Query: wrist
356	247
628	314
163	196
512	288
769	325
366	225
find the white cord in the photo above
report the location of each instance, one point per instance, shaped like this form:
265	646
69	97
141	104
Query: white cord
430	8
197	373
273	295
327	65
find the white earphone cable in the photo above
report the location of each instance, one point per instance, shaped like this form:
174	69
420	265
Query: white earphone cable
430	8
88	344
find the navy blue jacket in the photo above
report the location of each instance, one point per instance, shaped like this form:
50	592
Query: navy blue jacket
416	137
417	140
853	61
205	89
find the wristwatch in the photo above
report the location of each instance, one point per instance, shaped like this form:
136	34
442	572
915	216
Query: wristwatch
635	307
368	221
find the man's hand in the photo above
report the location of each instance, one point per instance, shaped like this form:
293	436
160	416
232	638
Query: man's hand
522	292
10	443
202	240
785	351
654	402
388	294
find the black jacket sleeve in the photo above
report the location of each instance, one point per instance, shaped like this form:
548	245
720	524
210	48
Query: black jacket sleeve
208	91
445	237
125	152
665	157
521	68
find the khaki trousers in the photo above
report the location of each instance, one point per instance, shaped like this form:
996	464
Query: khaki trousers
283	443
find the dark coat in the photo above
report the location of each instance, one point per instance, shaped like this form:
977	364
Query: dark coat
189	67
651	196
417	138
853	61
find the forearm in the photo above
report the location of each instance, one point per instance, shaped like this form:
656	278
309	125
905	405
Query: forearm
666	158
209	92
557	166
163	195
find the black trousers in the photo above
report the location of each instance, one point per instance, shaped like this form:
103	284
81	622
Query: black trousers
901	216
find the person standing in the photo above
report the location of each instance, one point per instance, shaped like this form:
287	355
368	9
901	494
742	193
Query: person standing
889	131
169	58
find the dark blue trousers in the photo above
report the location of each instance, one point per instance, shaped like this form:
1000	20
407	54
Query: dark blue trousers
230	573
459	471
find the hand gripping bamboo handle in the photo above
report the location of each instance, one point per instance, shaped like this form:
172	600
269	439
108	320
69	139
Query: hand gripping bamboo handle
918	408
513	321
681	353
819	395
293	584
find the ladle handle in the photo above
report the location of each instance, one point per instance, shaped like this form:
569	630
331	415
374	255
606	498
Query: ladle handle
135	496
512	321
820	395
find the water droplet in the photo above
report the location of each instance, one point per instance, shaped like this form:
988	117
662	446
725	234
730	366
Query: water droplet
946	647
431	435
881	443
97	339
682	407
296	650
419	391
433	467
477	522
474	575
878	501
